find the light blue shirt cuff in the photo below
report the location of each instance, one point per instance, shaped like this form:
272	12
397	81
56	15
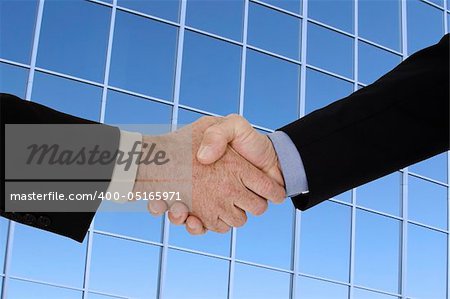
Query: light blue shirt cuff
291	164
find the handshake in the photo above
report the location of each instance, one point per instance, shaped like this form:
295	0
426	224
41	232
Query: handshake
235	170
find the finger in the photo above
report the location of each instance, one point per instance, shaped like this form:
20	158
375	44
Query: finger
220	227
214	144
252	203
216	138
178	213
194	226
261	184
236	217
157	207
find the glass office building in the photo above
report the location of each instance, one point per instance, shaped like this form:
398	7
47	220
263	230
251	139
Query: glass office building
170	61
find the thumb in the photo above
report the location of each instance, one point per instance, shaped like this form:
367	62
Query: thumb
214	144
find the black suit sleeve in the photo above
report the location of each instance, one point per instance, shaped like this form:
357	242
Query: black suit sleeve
400	119
70	224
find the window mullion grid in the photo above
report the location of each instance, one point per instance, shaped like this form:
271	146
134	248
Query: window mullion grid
174	122
301	113
29	88
232	268
404	186
353	192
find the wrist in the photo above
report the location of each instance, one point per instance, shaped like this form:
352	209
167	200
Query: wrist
165	168
150	163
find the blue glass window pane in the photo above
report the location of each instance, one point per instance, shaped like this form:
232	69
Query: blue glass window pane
271	90
252	282
113	258
375	62
43	256
221	17
67	96
274	234
22	289
346	196
330	50
434	168
294	6
187	116
3	237
322	89
324	227
383	194
383	30
438	2
98	296
1	285
143	55
17	19
210	77
210	242
166	9
377	259
309	288
74	43
425	25
274	31
13	79
140	225
194	276
363	294
122	108
427	263
427	202
337	13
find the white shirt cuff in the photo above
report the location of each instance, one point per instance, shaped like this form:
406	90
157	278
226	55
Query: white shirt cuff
122	180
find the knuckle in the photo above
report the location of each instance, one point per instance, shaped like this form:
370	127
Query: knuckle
238	120
240	220
279	199
207	118
221	229
214	130
226	229
265	186
234	116
278	195
260	208
227	190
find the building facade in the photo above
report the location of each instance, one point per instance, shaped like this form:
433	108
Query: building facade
173	61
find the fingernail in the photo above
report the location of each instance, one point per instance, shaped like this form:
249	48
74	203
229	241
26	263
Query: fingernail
203	152
190	225
175	214
154	209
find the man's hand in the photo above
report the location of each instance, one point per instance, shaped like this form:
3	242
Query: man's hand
235	131
224	188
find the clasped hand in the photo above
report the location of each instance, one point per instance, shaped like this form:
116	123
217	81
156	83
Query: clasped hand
235	170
